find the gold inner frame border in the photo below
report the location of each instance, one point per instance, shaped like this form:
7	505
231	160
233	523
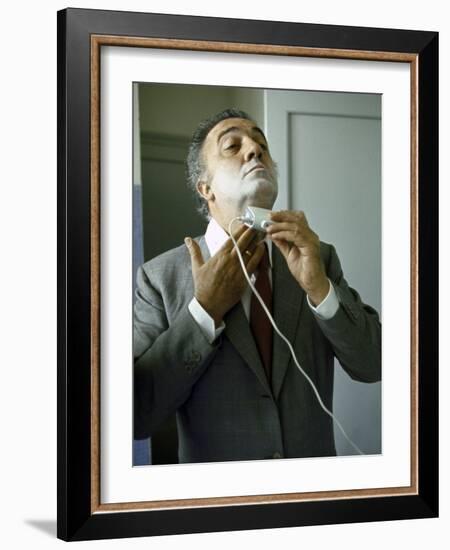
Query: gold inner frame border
97	41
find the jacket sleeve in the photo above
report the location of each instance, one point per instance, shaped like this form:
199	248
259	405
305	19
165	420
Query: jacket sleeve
168	357
355	330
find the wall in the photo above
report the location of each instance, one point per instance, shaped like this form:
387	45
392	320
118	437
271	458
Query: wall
181	117
28	276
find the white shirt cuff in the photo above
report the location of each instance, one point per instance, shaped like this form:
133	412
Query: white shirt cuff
205	321
328	306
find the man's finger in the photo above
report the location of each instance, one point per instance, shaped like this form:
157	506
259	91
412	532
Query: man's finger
236	232
284	226
247	254
296	234
238	229
251	247
291	237
287	215
195	253
245	240
283	246
256	258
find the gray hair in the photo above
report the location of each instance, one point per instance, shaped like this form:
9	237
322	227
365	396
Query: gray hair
195	166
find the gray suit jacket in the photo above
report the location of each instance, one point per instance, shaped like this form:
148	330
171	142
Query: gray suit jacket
225	407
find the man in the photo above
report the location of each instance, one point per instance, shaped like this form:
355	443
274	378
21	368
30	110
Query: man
203	348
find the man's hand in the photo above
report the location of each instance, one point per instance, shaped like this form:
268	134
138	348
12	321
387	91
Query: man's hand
300	246
220	282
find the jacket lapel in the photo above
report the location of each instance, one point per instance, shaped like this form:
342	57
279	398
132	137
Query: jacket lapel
238	331
288	298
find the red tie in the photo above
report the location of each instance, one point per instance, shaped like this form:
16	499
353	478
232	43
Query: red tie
259	322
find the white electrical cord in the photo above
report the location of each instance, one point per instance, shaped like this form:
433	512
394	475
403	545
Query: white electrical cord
261	301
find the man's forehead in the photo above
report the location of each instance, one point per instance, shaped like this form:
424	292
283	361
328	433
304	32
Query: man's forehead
230	124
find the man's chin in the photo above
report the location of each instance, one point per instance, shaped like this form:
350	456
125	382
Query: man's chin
262	199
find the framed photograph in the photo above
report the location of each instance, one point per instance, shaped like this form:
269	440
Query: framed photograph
180	407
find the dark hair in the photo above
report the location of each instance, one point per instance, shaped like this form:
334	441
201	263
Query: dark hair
195	166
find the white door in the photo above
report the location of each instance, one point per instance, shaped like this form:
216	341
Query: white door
328	149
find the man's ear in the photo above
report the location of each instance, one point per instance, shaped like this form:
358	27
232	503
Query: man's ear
204	189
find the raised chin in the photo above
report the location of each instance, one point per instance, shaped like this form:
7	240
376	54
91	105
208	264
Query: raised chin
261	195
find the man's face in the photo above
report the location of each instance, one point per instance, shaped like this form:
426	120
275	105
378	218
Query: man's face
240	168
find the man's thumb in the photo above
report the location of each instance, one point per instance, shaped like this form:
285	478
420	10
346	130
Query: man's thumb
194	251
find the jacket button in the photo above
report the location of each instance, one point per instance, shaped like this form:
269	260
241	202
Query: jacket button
194	358
276	455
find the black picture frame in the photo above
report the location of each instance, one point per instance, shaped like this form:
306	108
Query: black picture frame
79	517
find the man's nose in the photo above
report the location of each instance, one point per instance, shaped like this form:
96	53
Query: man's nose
253	149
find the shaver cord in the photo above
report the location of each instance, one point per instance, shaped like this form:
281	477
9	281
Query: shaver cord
263	305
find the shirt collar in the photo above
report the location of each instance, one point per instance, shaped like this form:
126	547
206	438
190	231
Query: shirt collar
215	237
